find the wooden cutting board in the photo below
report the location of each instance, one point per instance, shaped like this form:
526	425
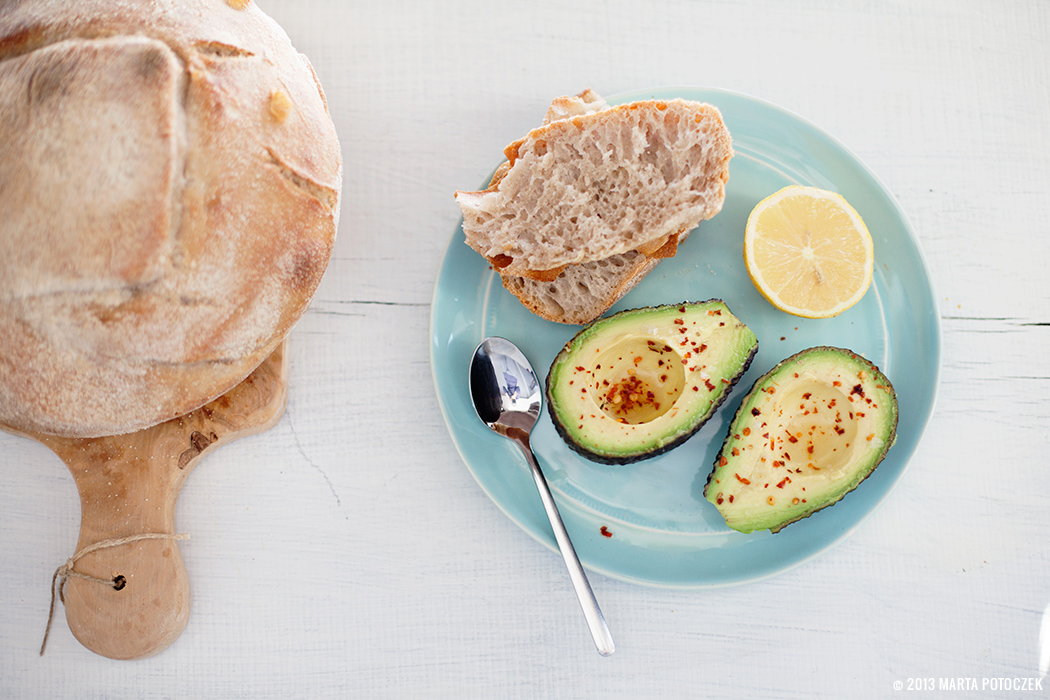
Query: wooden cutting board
128	486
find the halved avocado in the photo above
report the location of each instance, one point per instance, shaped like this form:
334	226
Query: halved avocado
807	434
640	382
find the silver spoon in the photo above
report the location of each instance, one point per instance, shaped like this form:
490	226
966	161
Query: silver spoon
506	396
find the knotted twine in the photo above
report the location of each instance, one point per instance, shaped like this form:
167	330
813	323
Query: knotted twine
62	573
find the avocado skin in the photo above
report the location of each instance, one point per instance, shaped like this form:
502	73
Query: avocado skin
795	358
630	459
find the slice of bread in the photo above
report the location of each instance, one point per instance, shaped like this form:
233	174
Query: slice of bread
587	187
579	292
583	292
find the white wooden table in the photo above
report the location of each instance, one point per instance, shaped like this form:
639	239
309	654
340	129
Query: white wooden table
348	552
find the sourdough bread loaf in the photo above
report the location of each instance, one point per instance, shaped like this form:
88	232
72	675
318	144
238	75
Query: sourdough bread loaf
169	182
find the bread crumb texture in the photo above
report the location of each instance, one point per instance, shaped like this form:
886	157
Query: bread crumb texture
158	240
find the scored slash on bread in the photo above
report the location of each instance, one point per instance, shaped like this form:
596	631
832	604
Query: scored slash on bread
590	202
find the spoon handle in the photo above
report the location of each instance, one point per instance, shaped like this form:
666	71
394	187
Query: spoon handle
595	620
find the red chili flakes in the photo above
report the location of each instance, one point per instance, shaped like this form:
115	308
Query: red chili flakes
839	430
746	431
703	346
605	532
627	395
679	322
785	480
730	498
771	500
836	383
871	437
807	395
792	438
580	369
755	412
719	499
709	385
739	478
722	461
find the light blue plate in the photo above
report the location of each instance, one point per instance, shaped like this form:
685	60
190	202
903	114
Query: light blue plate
663	532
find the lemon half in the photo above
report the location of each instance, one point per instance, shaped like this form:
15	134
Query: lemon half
808	252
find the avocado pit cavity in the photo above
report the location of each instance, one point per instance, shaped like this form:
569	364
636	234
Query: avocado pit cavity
638	379
820	420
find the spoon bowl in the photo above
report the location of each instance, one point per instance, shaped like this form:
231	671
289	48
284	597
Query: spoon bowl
507	398
503	386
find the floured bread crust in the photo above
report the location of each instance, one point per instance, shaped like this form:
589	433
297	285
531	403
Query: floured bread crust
169	182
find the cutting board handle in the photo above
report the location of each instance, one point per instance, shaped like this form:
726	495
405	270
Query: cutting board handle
137	599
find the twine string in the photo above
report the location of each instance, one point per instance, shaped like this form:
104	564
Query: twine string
62	573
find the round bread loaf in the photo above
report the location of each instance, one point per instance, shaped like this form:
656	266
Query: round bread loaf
169	195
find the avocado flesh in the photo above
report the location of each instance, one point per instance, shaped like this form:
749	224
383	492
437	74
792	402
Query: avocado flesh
807	434
640	382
